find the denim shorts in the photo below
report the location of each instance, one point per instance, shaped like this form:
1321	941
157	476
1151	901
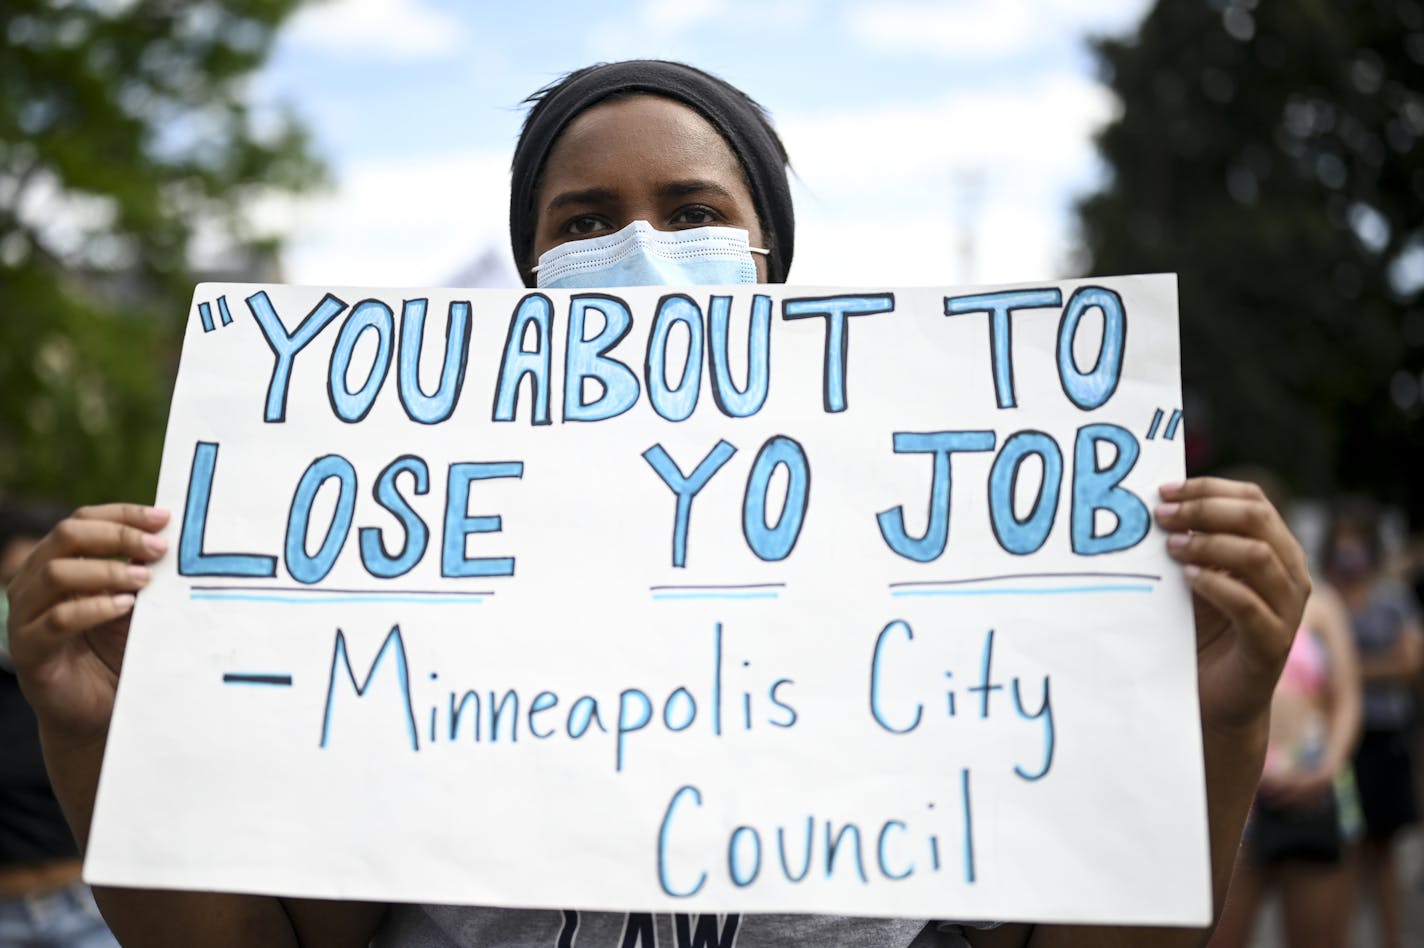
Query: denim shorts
56	918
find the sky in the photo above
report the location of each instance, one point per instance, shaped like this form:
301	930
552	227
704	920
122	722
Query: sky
931	143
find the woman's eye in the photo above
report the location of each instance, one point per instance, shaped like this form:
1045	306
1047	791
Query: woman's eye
695	216
583	226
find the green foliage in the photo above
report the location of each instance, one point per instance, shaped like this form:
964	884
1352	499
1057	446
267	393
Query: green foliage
1271	154
125	135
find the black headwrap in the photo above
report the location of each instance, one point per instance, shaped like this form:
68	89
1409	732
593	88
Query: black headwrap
740	120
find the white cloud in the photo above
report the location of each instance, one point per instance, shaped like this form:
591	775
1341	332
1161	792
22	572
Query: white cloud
415	221
970	187
677	30
677	17
1043	122
390	29
984	30
980	31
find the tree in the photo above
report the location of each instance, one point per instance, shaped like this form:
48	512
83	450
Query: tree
125	139
1271	155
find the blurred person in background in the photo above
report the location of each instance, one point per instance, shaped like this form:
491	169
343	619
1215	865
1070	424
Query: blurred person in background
1414	578
1306	812
43	904
1385	623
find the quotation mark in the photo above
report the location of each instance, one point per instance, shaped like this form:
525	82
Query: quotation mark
1172	424
205	313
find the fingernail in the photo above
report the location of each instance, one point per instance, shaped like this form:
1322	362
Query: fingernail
1192	570
155	543
1178	541
155	514
1171	489
139	574
1168	511
123	601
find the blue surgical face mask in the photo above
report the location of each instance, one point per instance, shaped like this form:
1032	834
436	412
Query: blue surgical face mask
639	255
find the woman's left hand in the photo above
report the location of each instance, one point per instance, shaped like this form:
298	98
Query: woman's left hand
1249	586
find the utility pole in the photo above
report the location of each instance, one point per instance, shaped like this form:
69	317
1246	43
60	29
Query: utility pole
968	187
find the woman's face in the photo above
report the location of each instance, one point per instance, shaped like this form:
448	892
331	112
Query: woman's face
1350	559
641	158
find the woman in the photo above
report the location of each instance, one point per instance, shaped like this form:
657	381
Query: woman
1305	816
641	158
1387	632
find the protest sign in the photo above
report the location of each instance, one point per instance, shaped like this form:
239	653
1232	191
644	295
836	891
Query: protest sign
701	600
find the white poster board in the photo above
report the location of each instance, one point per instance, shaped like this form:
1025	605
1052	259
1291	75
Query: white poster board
715	599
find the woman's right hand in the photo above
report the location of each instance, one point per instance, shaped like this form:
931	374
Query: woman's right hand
69	614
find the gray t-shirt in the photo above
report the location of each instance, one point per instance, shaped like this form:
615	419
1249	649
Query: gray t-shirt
1377	627
465	926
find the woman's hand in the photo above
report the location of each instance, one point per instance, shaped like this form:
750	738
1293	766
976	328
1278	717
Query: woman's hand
1249	586
69	614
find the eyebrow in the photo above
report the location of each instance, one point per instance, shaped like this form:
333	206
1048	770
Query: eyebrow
695	186
586	196
604	196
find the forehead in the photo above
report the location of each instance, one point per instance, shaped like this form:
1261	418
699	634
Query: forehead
641	138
